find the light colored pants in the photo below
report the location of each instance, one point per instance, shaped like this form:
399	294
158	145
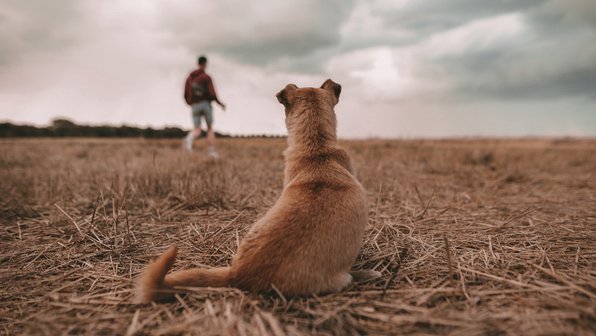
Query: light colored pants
202	109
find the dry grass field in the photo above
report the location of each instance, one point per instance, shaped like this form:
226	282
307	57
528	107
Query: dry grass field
473	237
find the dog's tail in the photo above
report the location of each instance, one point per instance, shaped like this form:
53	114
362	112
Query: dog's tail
155	285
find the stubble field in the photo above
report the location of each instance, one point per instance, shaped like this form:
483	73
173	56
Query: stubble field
473	237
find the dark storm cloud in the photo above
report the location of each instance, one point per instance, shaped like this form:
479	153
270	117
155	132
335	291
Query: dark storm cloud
579	82
29	28
303	36
263	33
422	18
553	57
488	75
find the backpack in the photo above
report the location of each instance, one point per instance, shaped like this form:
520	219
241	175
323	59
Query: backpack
199	90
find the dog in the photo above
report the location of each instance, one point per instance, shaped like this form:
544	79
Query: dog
308	241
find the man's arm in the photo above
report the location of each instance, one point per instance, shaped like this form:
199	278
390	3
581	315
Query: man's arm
213	94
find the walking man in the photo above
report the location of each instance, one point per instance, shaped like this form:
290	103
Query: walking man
199	91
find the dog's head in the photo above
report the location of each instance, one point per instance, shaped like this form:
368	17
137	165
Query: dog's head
329	90
310	104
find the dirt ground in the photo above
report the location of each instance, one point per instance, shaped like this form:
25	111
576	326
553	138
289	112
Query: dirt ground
472	236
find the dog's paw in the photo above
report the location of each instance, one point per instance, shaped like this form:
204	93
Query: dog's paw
365	275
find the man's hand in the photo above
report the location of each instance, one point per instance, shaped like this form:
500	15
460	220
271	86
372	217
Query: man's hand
223	106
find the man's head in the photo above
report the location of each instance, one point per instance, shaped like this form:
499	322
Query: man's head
202	61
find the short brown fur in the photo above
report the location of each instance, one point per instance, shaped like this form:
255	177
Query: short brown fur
308	241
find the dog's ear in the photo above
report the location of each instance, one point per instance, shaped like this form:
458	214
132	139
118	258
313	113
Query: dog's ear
286	96
332	87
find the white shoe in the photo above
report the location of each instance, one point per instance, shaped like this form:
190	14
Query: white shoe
187	143
212	153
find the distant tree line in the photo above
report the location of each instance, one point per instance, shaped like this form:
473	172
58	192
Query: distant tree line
67	128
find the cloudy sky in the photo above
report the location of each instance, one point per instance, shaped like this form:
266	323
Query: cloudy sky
417	68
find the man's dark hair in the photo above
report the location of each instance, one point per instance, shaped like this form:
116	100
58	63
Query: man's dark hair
202	60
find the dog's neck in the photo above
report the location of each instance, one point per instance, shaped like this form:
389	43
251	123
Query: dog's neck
312	132
310	141
308	138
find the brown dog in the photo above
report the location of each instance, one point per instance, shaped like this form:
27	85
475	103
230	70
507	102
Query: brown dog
308	241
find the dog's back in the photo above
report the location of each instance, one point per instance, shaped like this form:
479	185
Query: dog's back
308	241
